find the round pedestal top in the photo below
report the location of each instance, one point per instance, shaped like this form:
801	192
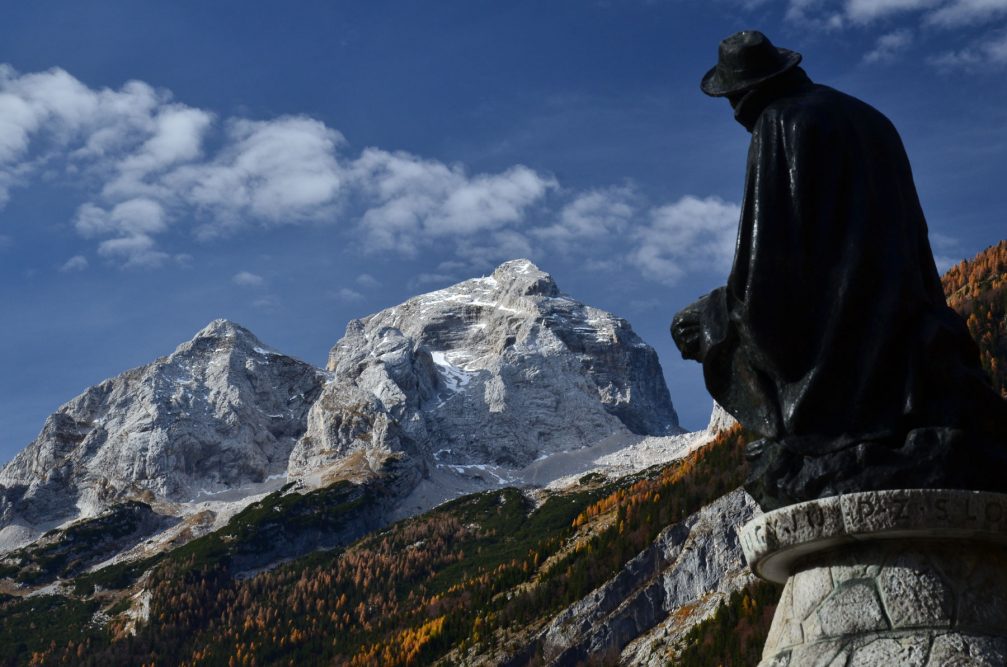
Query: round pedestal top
775	541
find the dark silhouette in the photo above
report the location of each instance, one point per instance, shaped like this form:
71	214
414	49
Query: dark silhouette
832	338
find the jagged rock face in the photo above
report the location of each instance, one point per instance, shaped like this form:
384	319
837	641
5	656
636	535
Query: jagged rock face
498	370
695	563
720	420
221	411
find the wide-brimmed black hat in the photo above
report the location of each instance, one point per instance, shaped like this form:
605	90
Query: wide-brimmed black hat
747	58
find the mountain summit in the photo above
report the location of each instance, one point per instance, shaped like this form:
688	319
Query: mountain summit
221	411
492	372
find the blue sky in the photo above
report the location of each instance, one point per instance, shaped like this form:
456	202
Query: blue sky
291	166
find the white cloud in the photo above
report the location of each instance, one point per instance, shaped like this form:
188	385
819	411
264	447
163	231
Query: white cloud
279	171
132	224
589	217
920	19
889	46
135	251
863	11
247	279
75	263
815	13
487	251
943	13
991	51
348	295
690	235
142	161
149	168
966	12
367	281
177	134
411	200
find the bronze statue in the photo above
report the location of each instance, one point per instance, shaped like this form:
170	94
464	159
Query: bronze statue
832	339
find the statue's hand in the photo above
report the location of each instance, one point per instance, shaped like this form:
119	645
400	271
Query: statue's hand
699	325
687	332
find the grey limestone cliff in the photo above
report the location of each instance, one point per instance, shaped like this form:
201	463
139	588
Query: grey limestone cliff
636	617
492	372
221	411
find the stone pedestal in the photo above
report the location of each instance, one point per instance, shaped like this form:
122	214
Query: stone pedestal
914	577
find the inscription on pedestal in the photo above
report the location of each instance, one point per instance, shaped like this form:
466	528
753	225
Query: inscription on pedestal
772	541
913	577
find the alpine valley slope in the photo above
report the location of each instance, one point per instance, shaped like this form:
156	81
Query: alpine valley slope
496	380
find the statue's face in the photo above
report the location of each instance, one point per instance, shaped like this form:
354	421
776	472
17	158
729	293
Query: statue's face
735	98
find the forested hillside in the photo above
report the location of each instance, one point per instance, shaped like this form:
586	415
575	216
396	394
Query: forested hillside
977	289
468	581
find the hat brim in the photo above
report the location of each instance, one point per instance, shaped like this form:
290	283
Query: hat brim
714	87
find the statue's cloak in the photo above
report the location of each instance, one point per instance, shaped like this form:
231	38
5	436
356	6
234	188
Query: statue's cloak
833	328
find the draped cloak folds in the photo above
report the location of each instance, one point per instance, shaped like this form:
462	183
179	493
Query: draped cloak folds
832	338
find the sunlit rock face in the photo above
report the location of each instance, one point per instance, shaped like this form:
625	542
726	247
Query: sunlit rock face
468	388
223	410
496	371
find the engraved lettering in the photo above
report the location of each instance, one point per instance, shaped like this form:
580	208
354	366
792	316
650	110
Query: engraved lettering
815	516
902	505
941	504
791	526
969	513
865	508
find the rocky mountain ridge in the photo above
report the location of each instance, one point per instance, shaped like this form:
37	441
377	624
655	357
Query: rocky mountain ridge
472	386
222	412
478	381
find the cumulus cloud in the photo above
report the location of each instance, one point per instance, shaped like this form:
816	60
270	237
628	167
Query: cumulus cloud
589	217
931	18
367	281
75	263
135	251
411	200
942	13
967	12
991	51
864	11
279	171
889	46
486	251
348	295
142	159
816	13
247	279
691	234
151	171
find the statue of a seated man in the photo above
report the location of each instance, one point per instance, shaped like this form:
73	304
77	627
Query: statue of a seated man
832	339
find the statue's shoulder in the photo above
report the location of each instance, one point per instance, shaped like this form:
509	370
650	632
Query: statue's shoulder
822	107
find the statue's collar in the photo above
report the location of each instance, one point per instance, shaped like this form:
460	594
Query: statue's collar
751	106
